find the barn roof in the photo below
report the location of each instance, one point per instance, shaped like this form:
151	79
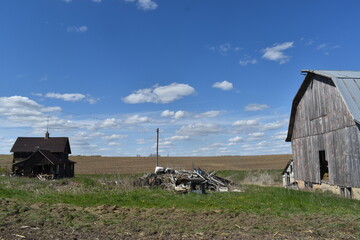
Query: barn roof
348	85
31	144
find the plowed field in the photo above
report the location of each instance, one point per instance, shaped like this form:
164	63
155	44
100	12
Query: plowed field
119	165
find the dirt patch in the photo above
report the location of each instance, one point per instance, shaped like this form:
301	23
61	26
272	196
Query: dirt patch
61	221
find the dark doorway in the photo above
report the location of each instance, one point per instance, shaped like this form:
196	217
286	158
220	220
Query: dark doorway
324	169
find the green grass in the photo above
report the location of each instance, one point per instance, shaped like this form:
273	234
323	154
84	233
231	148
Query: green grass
87	191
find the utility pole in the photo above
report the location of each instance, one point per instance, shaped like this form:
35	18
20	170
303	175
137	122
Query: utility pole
157	147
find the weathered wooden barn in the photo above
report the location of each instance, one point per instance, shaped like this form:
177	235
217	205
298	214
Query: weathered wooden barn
45	156
324	132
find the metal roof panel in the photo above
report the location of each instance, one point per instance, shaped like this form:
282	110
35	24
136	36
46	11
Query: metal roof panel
349	89
335	74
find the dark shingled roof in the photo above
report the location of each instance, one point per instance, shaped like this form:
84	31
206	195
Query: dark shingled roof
52	144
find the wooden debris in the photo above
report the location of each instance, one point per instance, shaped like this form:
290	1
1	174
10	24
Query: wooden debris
43	177
19	236
184	181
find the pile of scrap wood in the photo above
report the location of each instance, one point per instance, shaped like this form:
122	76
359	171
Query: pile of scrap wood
186	181
43	177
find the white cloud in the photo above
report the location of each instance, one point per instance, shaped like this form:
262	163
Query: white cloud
274	125
160	94
224	85
199	129
108	123
321	46
167	113
114	137
136	119
208	114
67	1
280	135
256	134
236	139
224	48
326	48
140	141
276	53
263	143
71	97
164	143
80	29
23	106
97	1
114	144
88	135
245	62
176	115
147	5
256	107
245	123
177	138
18	111
179	114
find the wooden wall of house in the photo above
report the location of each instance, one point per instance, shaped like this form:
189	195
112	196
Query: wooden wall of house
323	122
19	156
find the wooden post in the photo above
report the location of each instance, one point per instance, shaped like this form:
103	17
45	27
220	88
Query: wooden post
157	147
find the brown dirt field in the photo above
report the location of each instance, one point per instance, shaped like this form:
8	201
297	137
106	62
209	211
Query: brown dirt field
5	161
117	165
120	165
60	221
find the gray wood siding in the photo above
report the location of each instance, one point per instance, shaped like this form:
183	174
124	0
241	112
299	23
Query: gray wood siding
321	110
323	122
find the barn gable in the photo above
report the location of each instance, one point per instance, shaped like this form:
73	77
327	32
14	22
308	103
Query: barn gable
347	84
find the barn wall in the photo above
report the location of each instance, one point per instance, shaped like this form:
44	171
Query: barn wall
323	122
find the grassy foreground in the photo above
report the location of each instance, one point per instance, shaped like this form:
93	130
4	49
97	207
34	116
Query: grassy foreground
88	190
109	206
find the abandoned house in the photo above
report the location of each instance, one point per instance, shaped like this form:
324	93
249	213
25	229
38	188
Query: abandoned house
324	132
47	155
288	175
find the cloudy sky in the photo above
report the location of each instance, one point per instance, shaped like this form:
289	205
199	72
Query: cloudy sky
217	77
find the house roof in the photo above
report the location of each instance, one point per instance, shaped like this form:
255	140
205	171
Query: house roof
287	166
348	85
31	144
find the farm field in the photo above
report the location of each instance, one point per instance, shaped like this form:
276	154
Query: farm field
120	165
101	202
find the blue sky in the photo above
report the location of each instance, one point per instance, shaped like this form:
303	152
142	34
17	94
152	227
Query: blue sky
217	77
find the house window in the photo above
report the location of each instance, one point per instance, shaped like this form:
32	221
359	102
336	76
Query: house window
324	168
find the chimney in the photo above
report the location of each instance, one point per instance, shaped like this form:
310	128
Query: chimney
47	135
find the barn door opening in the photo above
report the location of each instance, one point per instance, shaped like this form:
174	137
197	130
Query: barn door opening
324	168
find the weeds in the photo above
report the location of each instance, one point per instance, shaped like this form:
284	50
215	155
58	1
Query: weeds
87	191
257	177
